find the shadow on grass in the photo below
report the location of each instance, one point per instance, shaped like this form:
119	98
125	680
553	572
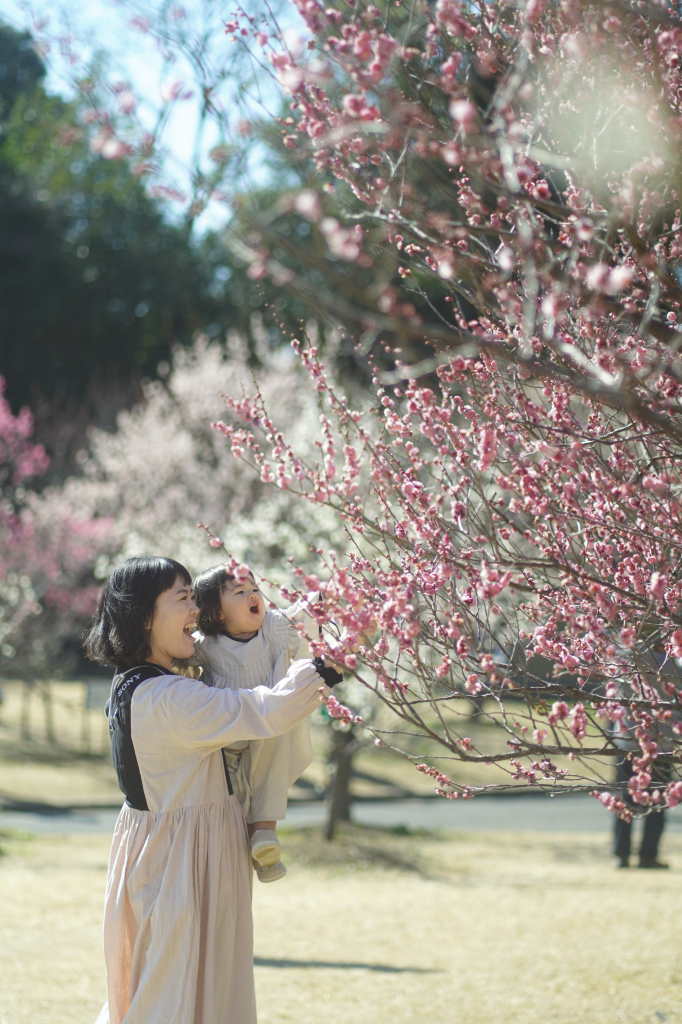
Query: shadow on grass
359	847
261	961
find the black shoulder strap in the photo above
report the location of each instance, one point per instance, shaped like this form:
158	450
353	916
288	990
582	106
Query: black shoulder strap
122	750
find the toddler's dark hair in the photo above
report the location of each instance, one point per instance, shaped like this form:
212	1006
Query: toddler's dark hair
119	634
207	588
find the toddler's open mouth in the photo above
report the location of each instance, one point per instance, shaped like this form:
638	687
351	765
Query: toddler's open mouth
254	609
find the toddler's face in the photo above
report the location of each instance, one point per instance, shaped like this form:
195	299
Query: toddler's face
242	607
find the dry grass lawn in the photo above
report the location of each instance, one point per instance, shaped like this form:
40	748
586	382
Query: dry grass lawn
381	927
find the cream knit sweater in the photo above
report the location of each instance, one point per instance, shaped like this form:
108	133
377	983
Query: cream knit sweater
262	770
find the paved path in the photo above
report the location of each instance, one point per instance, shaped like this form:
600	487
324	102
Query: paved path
515	813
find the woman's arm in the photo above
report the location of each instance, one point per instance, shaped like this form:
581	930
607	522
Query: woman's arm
204	718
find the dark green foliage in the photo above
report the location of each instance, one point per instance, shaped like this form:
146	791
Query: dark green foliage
20	68
95	286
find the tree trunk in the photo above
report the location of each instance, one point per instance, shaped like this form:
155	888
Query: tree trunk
476	706
26	709
49	716
85	722
340	769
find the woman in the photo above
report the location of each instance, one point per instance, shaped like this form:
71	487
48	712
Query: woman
178	934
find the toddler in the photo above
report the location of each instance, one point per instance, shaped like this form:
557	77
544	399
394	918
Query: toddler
241	645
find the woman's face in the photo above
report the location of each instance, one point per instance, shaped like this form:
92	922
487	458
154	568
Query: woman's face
242	607
174	621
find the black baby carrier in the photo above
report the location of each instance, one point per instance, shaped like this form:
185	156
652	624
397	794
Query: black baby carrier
123	753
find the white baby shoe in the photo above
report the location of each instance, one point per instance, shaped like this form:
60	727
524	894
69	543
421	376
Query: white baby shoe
271	873
265	848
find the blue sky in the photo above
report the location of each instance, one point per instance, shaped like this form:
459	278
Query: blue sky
133	57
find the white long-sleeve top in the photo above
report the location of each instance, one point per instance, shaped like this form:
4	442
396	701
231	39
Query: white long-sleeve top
265	658
263	770
178	939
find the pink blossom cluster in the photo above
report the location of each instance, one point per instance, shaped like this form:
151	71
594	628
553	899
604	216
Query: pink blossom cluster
16	450
612	803
341	712
445	787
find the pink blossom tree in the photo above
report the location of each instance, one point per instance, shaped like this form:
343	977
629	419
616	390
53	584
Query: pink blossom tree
494	193
522	511
47	588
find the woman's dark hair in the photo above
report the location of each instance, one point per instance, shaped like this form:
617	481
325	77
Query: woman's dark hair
120	629
207	589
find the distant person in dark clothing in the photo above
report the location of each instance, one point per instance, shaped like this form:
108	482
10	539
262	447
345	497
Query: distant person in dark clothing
654	823
656	669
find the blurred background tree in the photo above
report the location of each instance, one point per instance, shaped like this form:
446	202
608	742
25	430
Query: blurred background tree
96	285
